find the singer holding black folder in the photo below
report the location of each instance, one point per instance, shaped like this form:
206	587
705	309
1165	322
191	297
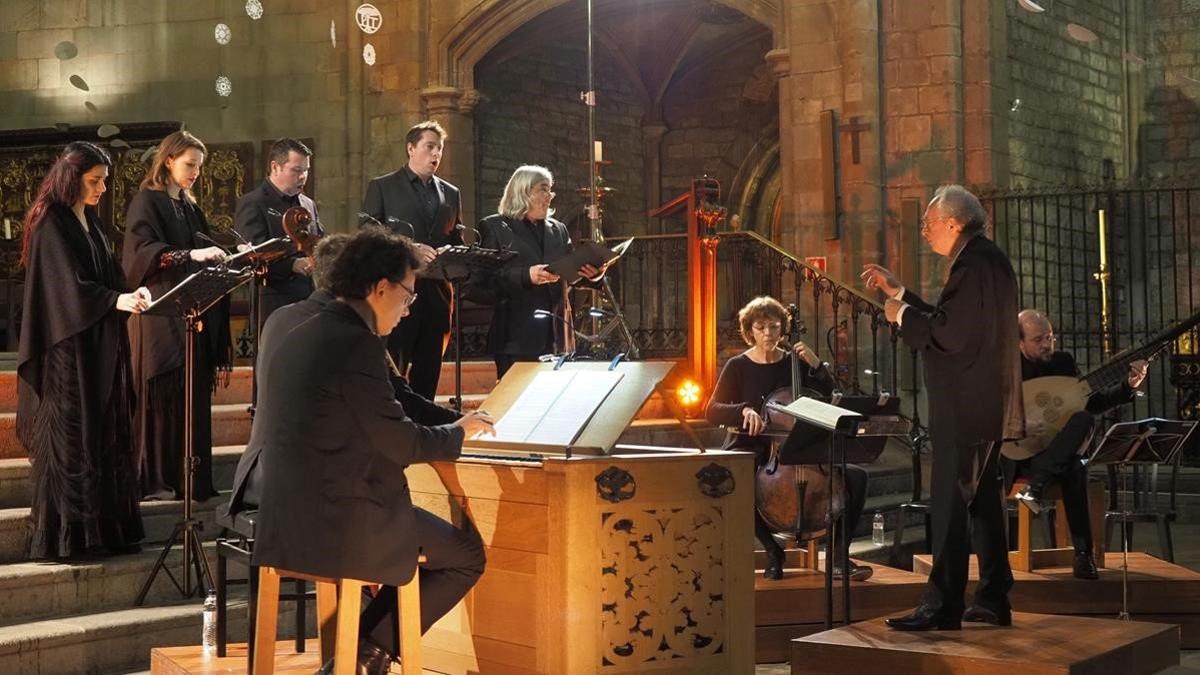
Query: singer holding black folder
167	238
414	203
524	285
259	218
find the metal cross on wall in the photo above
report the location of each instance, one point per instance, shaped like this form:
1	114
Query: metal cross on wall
855	127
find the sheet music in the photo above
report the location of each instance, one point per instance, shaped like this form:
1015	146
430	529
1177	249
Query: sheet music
816	412
555	406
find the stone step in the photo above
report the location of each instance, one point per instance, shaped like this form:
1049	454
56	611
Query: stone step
115	641
159	519
230	426
36	590
14	475
477	377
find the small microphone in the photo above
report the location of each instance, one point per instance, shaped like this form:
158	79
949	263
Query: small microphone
212	241
394	223
365	218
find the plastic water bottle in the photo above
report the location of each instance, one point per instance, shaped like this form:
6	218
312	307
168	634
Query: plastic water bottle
877	529
208	636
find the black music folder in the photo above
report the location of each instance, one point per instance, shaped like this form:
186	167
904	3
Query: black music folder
588	253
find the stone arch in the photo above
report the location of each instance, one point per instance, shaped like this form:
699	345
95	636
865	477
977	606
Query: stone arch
474	35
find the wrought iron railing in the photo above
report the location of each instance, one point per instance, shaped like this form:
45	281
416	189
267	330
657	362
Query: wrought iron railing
845	326
1153	237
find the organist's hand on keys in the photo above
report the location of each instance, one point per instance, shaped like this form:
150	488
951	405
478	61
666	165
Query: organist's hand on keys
476	422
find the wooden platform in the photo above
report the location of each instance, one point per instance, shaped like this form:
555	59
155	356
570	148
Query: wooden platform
191	661
1036	644
1158	592
795	605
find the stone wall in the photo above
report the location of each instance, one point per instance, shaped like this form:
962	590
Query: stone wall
144	60
716	113
530	113
1071	114
1168	137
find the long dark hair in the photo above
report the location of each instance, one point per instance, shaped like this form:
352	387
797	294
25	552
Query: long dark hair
62	185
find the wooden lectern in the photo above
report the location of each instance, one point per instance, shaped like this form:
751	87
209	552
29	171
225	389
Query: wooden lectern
601	558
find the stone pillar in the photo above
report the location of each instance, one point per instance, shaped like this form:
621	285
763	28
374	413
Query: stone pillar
452	107
652	136
779	61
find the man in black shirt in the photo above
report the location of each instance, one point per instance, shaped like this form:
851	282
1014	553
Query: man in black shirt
1062	459
414	203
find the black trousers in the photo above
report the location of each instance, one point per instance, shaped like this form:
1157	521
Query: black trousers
506	361
960	525
419	341
1061	461
455	561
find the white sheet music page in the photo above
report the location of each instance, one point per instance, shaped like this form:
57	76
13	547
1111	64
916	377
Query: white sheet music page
531	406
818	413
555	406
574	407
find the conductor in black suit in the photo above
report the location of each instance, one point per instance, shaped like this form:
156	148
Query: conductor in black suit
525	285
968	341
335	500
247	479
289	278
415	203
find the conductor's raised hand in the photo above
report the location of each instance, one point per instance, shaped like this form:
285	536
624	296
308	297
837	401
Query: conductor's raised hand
541	274
752	422
475	422
878	277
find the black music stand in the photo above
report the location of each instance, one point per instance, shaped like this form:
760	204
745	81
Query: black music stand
189	300
455	265
255	260
858	436
1150	441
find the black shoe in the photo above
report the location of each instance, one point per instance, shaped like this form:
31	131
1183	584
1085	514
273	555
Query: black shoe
1030	497
857	572
923	618
372	660
774	568
982	614
1085	566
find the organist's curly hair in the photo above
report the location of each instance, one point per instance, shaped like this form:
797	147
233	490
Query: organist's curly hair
369	255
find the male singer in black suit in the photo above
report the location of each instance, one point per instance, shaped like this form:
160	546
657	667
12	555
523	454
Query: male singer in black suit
335	500
968	342
1061	460
415	203
288	279
247	479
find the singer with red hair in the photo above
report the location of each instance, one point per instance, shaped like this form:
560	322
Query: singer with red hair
74	384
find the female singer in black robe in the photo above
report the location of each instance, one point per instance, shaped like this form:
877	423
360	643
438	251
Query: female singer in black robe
166	239
74	387
737	401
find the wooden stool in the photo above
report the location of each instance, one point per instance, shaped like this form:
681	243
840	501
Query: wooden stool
338	607
1027	559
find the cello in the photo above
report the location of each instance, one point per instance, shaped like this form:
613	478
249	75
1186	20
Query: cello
793	499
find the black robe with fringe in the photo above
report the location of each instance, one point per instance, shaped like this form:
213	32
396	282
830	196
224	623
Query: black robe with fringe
75	394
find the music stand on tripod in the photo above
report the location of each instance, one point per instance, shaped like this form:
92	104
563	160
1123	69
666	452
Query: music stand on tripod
189	300
455	265
853	431
1150	441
